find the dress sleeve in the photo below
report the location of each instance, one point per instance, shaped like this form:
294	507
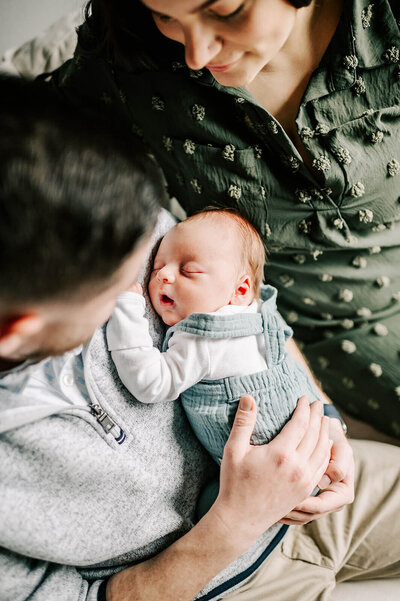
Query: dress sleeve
150	375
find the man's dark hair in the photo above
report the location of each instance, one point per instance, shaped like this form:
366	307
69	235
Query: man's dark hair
75	196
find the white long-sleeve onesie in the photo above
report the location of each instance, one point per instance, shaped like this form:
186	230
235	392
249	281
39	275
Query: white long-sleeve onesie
152	376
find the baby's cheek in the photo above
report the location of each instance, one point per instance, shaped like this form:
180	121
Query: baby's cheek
152	289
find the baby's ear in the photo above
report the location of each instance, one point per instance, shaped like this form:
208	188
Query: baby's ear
243	294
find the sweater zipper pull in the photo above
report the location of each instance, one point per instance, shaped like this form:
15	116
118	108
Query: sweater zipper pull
109	426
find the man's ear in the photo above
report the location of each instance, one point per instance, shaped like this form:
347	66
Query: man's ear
243	291
16	331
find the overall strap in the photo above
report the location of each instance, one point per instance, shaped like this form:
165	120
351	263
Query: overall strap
276	331
269	322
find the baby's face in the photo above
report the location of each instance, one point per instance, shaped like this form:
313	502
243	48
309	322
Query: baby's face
195	269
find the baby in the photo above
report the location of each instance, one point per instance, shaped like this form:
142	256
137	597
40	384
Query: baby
223	341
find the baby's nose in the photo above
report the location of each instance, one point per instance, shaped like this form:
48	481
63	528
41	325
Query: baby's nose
166	275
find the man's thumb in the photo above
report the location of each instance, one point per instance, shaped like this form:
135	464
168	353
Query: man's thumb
243	425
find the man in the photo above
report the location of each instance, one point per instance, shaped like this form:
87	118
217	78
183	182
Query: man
98	492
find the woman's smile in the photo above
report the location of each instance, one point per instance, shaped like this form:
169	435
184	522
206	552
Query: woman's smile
219	68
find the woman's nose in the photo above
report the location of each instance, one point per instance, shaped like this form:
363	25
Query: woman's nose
201	46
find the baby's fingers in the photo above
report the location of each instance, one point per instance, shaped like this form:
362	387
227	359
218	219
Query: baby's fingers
136	287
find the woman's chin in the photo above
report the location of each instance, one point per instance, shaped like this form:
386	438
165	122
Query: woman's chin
234	80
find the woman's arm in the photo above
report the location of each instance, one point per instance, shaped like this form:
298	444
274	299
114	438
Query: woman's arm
258	485
338	481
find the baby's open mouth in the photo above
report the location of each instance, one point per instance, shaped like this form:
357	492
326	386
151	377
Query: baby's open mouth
166	300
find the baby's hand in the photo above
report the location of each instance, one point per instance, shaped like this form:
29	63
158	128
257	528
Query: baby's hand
136	287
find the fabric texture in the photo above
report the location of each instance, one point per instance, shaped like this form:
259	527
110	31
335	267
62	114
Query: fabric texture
45	52
333	242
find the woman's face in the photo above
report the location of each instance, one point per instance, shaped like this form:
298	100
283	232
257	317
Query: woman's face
234	39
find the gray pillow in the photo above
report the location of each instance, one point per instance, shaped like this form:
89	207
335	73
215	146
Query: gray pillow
45	52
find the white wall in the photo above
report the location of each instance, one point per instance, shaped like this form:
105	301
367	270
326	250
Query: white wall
21	20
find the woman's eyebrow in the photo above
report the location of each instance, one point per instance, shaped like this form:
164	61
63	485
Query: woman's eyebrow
203	5
194	10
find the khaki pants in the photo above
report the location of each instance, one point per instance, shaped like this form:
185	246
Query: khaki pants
360	542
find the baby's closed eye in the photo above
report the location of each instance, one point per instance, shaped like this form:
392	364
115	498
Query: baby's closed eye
191	268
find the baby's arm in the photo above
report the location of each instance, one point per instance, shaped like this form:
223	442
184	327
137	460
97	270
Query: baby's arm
152	376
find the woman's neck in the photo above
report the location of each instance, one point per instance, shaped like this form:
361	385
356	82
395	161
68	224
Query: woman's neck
280	86
314	27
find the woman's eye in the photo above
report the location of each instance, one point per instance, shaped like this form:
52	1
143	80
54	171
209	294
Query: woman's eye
228	16
162	18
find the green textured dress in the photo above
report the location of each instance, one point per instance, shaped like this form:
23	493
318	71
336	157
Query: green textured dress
334	243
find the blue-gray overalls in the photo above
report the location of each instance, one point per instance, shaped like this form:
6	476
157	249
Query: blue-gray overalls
210	405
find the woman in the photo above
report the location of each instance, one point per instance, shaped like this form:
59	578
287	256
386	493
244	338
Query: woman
288	111
265	105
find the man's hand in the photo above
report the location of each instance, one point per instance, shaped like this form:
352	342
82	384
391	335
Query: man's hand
293	461
258	484
337	484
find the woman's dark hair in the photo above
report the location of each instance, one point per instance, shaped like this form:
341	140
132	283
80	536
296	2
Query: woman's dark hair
124	31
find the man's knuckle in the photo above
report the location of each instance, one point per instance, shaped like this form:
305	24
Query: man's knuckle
241	419
246	473
302	423
337	473
229	453
298	474
282	458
